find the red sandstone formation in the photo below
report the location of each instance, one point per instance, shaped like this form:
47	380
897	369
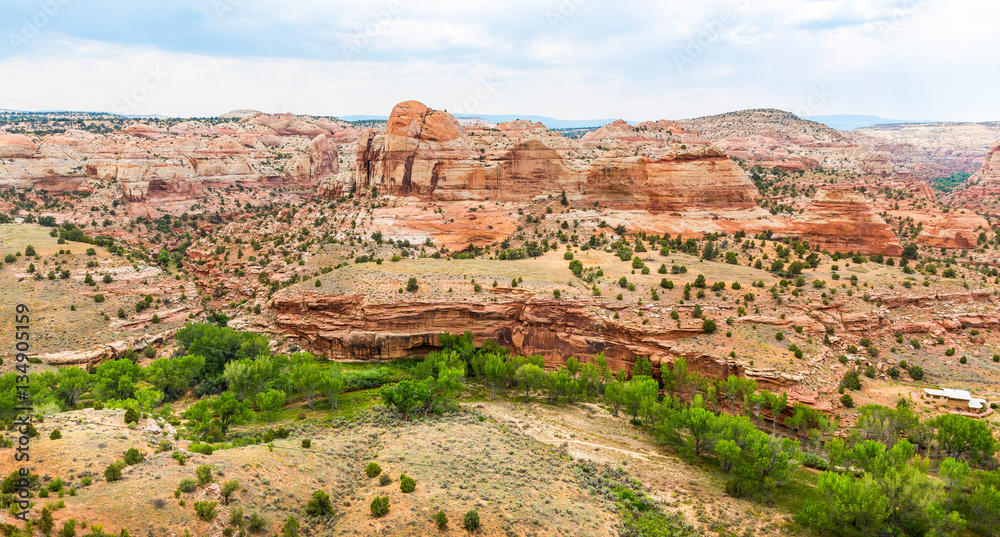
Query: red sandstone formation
356	327
176	164
839	220
428	154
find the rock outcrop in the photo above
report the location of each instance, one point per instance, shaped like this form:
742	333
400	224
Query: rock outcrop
319	162
176	164
17	146
428	154
843	220
356	327
930	150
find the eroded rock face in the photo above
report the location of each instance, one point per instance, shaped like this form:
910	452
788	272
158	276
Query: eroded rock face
356	327
17	146
843	220
175	165
428	154
319	162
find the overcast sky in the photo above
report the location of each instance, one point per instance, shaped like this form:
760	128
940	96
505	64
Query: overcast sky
569	59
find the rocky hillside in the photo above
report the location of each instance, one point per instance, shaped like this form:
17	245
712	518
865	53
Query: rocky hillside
174	163
981	190
778	139
931	150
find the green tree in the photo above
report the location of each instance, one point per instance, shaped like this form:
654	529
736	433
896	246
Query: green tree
270	402
199	417
305	376
984	507
219	345
471	520
148	399
291	527
698	422
133	456
639	391
73	382
331	385
204	474
405	396
115	379
229	411
173	376
495	371
228	488
960	436
529	376
851	507
45	520
114	471
643	367
614	394
247	377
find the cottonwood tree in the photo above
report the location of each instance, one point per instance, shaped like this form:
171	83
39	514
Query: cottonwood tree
247	377
405	396
332	385
529	376
495	372
229	411
960	436
305	375
174	376
73	382
270	402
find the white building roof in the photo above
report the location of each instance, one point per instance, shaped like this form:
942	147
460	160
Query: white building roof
957	395
950	393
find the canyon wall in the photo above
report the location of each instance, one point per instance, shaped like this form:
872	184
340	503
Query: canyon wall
178	162
428	154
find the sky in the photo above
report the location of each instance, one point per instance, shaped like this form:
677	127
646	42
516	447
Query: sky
568	59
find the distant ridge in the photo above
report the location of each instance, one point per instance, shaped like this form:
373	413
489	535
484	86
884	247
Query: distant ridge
846	122
549	122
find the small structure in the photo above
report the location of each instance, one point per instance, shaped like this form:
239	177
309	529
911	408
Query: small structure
960	400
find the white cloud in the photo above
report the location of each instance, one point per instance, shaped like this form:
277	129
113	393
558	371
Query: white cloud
923	59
